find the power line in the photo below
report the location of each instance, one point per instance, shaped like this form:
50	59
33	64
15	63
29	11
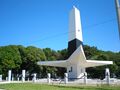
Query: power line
104	22
64	33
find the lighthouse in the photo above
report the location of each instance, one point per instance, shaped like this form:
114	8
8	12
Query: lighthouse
76	62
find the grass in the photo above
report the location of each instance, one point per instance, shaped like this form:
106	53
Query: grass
32	86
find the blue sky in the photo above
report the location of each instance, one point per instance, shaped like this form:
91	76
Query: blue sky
44	23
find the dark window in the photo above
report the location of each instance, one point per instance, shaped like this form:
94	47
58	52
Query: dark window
71	69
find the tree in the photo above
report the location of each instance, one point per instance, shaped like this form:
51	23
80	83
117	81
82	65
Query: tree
63	54
30	56
9	59
90	52
18	57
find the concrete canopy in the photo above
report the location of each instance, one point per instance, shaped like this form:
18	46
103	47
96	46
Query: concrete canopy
77	57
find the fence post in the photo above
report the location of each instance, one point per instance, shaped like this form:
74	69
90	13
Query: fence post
0	78
34	77
66	78
9	76
23	75
85	78
48	77
107	76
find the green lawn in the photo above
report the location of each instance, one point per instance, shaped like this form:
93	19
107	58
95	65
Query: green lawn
32	86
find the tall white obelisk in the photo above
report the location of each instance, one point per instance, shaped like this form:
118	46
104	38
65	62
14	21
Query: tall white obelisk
75	31
75	40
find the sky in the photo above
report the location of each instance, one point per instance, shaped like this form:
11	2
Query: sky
44	23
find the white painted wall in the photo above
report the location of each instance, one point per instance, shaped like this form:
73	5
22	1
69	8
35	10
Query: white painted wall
75	71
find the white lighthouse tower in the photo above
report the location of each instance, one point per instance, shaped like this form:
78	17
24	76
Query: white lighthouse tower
76	63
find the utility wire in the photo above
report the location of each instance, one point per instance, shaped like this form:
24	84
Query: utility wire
104	22
64	33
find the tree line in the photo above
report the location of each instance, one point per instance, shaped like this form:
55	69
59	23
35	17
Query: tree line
18	57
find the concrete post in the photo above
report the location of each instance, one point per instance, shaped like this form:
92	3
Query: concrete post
85	78
9	76
0	78
107	76
34	77
18	78
23	75
66	78
48	77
